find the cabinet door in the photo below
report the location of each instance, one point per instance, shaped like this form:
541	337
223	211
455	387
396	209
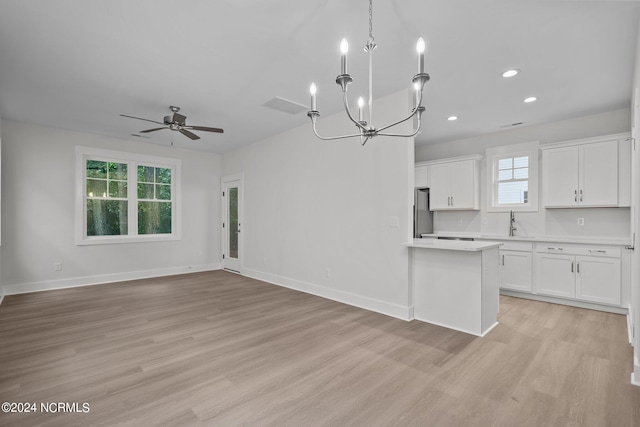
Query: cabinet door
598	279
556	275
463	185
598	174
561	176
515	270
439	191
422	176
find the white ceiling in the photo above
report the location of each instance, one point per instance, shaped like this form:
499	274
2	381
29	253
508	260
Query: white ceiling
79	64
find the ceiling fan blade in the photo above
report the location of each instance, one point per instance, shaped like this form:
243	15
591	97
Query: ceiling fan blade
179	119
152	130
139	118
189	134
206	129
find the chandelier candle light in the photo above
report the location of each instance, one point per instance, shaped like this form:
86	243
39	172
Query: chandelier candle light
366	129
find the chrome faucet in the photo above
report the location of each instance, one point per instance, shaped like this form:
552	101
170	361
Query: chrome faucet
512	224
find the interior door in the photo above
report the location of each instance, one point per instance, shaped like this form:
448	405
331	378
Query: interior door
231	224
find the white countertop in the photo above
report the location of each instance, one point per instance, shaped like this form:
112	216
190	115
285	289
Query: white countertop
550	239
453	245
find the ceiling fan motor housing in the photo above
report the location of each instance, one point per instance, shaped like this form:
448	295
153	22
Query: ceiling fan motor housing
168	120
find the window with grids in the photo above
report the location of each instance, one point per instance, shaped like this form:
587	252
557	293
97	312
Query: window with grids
512	180
126	199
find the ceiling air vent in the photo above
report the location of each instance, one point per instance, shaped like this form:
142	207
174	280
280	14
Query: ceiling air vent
285	105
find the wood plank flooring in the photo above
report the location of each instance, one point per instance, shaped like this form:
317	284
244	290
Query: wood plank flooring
220	349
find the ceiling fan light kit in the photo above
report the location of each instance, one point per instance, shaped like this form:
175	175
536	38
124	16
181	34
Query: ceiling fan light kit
176	122
366	130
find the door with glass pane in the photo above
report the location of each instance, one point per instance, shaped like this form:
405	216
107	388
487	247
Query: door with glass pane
231	224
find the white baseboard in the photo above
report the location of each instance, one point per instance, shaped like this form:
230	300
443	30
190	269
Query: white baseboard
634	381
23	288
562	301
371	304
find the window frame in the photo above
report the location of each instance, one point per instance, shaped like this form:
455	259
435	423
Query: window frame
493	156
133	160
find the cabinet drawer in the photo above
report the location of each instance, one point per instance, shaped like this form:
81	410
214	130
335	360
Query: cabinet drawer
600	251
555	248
516	246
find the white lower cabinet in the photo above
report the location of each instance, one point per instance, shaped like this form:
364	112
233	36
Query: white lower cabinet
565	271
556	275
598	279
515	267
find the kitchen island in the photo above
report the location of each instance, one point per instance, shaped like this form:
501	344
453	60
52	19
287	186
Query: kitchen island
456	283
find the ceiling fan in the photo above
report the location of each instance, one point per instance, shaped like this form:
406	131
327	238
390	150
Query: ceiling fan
176	122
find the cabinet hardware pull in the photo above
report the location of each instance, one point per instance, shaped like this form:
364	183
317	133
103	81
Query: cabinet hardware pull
575	195
572	266
592	251
451	200
581	194
502	259
553	249
578	267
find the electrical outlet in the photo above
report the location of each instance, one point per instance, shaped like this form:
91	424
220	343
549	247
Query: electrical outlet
580	221
327	271
57	266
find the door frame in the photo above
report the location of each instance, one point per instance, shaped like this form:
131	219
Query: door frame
223	240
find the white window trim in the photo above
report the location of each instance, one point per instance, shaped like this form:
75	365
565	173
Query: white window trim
83	153
493	154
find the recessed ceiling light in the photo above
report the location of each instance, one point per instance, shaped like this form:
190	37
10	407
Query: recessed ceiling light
510	73
530	99
452	118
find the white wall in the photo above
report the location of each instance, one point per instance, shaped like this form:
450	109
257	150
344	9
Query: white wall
1	282
38	214
635	269
313	206
601	222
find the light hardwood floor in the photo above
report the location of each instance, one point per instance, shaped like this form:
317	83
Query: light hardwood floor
220	349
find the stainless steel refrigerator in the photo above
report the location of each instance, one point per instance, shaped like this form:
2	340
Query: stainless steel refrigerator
422	216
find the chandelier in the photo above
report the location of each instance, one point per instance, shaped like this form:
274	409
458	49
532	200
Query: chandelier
366	130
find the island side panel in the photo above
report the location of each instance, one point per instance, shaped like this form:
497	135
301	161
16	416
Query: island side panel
447	288
490	288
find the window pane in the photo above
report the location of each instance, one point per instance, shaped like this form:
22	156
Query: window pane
505	163
505	175
163	192
96	188
118	189
233	222
117	171
145	191
521	162
96	169
522	173
154	217
510	193
145	173
163	175
106	217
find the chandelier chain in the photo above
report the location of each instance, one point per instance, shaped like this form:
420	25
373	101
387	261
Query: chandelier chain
371	20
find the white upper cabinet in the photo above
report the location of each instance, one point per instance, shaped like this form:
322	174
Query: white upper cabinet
585	173
421	176
455	184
